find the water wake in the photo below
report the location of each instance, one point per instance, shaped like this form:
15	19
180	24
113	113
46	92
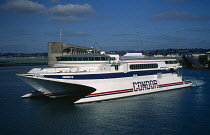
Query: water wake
196	82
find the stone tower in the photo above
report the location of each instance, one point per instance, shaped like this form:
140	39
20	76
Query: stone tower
55	49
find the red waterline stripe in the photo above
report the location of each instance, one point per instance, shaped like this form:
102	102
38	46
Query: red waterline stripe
187	81
110	92
170	84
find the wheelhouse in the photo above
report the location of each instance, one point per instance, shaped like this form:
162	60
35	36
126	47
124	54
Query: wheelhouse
90	57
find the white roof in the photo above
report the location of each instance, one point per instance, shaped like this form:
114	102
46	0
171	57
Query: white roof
133	54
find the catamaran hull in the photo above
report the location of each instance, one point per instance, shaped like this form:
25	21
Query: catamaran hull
89	90
55	89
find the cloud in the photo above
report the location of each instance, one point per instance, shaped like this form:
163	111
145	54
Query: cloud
68	13
22	6
181	16
65	19
62	13
70	9
27	6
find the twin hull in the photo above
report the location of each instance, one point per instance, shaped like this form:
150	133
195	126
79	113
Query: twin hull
88	90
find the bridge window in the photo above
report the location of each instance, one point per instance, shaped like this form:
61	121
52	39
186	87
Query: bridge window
143	66
83	58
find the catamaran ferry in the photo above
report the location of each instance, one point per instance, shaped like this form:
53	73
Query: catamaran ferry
95	77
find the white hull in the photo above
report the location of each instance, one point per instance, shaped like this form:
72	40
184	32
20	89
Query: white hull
128	92
89	90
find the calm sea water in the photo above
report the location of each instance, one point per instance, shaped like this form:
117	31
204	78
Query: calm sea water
176	112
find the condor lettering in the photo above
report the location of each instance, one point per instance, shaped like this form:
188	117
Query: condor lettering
145	85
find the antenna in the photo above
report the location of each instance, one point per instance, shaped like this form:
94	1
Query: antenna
177	42
60	33
95	47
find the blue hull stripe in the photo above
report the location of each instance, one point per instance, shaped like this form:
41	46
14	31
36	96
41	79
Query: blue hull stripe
107	75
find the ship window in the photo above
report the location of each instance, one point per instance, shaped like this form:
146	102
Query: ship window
112	58
102	58
91	58
69	59
75	59
171	62
85	58
97	58
80	59
143	66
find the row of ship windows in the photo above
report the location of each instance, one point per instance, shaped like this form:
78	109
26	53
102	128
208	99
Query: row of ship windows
171	62
143	66
85	58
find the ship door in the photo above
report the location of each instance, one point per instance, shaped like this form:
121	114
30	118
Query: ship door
116	67
125	68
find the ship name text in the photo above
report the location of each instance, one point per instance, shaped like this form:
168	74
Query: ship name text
145	85
67	77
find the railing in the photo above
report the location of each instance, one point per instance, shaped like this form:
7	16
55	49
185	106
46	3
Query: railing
40	71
